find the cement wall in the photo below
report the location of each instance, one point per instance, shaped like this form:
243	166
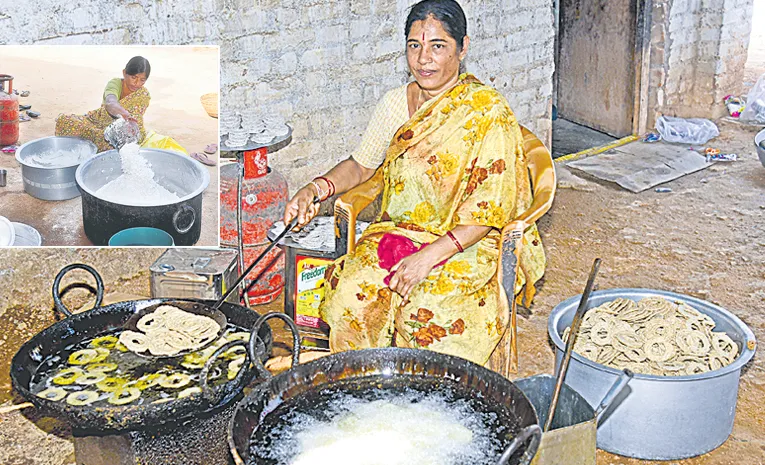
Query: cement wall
322	64
698	53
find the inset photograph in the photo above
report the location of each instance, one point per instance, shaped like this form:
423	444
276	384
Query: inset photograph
109	146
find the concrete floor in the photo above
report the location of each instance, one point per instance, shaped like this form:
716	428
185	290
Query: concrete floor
568	138
71	80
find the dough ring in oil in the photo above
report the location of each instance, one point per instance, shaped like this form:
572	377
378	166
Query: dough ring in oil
124	396
134	341
52	393
80	398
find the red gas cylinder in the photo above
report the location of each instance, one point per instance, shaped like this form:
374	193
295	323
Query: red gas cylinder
264	196
9	112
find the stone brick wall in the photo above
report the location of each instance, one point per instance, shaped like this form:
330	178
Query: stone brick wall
322	64
698	53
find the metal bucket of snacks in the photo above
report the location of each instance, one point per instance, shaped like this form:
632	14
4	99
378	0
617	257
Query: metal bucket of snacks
687	355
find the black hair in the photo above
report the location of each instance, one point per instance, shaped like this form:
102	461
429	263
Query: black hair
138	65
448	12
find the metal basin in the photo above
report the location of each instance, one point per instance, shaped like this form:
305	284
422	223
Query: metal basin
759	143
55	182
178	173
658	417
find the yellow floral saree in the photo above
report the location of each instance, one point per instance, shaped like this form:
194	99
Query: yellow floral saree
458	161
91	126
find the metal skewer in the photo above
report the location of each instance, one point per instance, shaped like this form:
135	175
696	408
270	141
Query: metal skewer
263	254
575	324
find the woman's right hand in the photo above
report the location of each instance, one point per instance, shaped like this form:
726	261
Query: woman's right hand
302	205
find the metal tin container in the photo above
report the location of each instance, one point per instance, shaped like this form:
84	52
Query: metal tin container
194	273
759	143
178	173
54	182
304	277
659	417
572	436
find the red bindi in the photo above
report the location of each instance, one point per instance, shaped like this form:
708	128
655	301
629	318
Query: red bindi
423	37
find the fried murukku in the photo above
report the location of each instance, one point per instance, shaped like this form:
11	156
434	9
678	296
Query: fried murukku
600	333
80	398
169	331
693	342
52	393
724	346
653	336
134	341
658	349
124	396
150	322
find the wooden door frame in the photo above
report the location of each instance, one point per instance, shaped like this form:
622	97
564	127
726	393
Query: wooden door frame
642	61
642	65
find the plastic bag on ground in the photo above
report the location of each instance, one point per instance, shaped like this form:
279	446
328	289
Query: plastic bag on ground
755	103
695	131
158	141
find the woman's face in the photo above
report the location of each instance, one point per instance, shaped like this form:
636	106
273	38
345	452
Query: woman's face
432	55
135	81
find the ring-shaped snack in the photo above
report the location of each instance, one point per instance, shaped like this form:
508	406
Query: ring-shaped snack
67	376
124	396
147	381
111	384
80	398
104	342
175	381
90	377
101	367
190	392
52	393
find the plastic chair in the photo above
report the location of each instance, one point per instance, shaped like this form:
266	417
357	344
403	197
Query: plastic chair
504	359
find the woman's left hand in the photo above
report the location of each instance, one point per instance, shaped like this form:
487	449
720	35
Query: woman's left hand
411	271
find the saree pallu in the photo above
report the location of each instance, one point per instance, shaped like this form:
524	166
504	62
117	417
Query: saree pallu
91	126
458	161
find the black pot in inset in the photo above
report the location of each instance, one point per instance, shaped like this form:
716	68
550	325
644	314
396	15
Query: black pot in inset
178	173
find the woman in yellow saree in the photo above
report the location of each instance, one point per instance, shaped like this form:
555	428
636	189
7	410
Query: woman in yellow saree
126	97
424	275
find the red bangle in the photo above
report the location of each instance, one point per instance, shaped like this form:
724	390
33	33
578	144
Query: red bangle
456	242
330	184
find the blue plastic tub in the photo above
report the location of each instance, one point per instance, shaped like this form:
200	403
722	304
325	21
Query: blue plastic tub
141	237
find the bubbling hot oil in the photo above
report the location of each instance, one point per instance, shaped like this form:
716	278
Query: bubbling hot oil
339	425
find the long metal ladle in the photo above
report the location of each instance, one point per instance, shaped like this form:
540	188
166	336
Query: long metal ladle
572	335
